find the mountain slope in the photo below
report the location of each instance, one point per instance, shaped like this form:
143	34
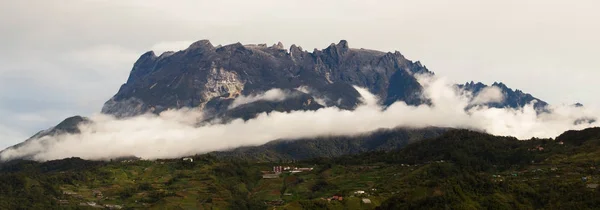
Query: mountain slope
69	125
333	146
512	98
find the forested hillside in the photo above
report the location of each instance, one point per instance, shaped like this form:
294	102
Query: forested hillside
457	170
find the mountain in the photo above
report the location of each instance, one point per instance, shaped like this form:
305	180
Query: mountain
580	137
332	146
211	77
69	125
214	78
512	98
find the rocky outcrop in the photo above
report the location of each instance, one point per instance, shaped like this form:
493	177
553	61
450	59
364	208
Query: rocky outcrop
209	77
512	98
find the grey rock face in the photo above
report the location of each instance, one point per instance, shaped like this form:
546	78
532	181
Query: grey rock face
512	98
125	108
209	77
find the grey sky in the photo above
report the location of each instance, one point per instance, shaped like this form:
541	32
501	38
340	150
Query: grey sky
66	57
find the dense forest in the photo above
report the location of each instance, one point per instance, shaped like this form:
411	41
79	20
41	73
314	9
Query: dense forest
458	169
332	146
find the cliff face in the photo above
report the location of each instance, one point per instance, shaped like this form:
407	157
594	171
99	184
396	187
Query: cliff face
512	98
211	77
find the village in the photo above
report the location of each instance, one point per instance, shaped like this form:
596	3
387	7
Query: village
278	170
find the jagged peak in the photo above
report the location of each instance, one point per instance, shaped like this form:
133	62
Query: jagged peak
343	44
398	54
294	47
418	63
279	45
166	54
338	49
500	84
201	44
233	46
147	56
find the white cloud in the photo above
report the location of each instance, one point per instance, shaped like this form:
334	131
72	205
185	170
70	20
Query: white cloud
175	133
491	94
274	95
320	100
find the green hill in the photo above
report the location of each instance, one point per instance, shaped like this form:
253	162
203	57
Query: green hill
333	146
457	170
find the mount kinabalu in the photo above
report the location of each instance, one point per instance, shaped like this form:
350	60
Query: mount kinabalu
211	78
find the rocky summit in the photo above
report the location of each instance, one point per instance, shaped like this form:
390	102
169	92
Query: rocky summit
512	98
211	77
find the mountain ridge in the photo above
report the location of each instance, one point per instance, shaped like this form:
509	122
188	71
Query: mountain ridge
203	74
213	77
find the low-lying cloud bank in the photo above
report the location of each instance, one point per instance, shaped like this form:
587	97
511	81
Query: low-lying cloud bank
175	133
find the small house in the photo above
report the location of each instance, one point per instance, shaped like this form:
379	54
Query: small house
188	159
366	200
358	192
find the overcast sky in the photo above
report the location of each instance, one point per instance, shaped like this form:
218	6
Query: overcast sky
67	57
